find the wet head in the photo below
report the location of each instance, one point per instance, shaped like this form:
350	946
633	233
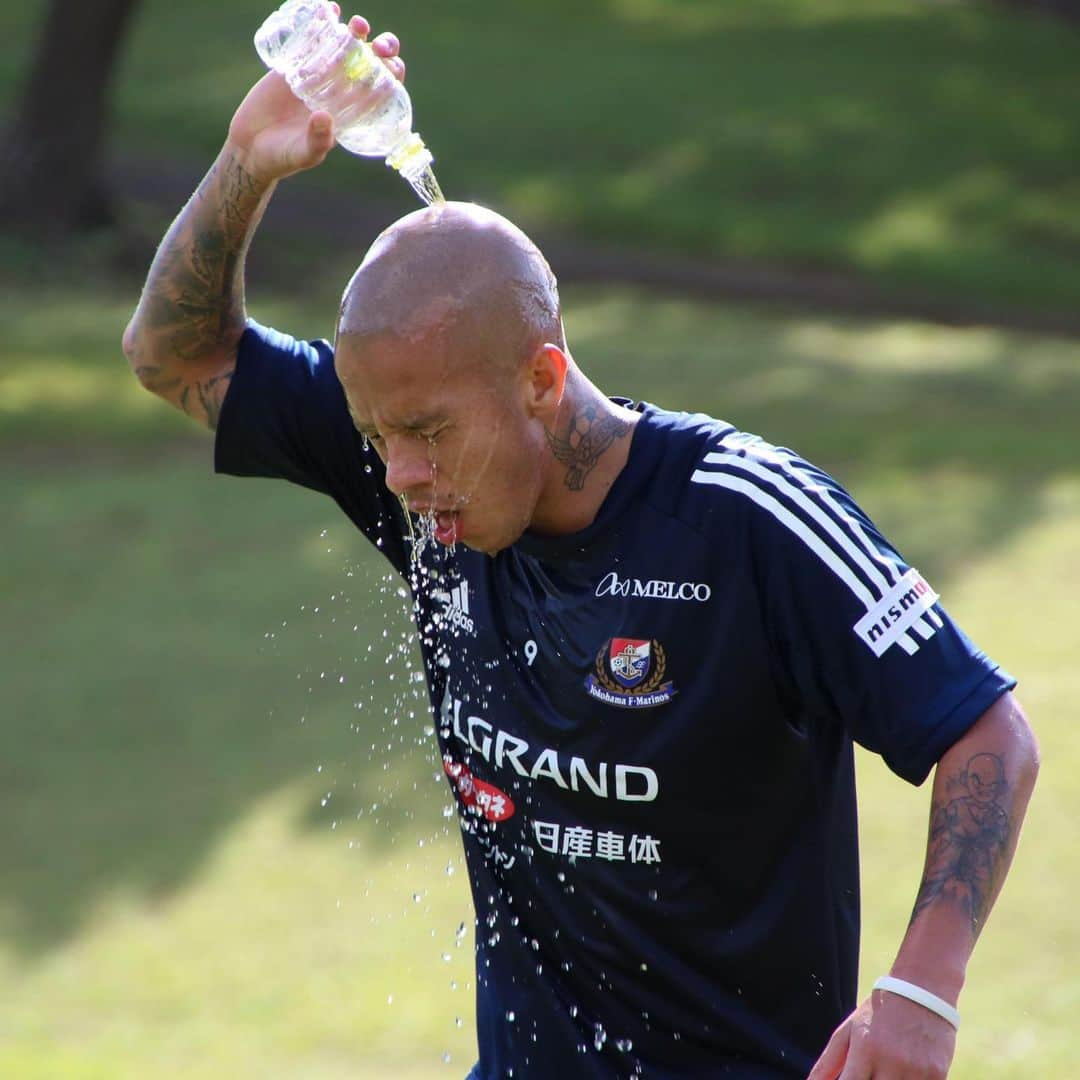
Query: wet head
451	354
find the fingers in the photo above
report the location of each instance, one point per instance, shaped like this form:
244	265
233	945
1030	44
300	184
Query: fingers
360	27
856	1069
386	45
320	135
834	1056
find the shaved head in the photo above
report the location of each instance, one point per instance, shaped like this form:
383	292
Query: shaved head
451	356
460	274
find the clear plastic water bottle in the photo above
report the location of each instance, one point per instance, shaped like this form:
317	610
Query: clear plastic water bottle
328	68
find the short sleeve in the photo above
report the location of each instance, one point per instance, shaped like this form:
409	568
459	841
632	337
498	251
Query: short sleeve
860	636
285	417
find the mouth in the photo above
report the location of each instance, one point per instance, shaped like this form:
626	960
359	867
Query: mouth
447	527
445	522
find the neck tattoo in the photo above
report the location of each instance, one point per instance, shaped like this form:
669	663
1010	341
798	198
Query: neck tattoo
589	432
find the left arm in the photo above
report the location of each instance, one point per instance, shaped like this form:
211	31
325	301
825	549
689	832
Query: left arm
981	789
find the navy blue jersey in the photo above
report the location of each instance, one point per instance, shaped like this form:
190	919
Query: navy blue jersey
648	728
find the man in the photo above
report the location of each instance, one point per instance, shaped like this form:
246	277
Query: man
649	640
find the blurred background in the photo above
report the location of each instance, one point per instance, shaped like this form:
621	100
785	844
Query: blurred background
850	225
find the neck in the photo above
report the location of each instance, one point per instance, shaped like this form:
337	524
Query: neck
589	444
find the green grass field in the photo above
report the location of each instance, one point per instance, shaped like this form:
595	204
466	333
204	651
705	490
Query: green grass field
226	849
928	147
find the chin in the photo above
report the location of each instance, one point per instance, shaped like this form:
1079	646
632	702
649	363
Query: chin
492	545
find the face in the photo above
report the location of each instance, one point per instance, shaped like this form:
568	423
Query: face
985	778
458	438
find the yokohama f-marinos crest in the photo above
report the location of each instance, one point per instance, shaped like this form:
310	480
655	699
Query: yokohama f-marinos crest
629	672
629	660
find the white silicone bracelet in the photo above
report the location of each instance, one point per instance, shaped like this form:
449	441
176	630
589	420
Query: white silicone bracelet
920	997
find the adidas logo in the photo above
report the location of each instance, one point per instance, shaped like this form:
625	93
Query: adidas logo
456	607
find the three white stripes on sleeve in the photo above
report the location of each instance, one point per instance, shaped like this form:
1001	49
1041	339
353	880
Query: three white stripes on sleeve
760	473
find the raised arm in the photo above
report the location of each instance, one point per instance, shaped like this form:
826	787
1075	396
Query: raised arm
981	791
182	340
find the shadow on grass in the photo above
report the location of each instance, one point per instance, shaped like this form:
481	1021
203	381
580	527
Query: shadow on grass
180	649
177	650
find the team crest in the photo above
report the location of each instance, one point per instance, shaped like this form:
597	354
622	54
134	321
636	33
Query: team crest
629	672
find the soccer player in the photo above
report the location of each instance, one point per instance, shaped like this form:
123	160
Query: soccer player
650	642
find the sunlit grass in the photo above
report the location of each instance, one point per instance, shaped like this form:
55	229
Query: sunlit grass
1020	603
292	952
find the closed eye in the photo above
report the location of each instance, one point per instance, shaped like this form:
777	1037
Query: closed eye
427	435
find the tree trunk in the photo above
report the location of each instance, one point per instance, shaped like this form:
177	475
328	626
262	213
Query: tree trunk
51	173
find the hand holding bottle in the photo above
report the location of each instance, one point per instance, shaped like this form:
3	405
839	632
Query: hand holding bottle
274	134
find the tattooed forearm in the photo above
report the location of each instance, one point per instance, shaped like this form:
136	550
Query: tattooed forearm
241	193
191	314
970	833
589	433
195	291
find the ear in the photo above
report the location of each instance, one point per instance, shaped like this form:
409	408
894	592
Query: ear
545	380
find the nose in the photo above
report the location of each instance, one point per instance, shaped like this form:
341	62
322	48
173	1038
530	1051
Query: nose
408	465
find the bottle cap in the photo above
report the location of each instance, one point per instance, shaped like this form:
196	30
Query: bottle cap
410	157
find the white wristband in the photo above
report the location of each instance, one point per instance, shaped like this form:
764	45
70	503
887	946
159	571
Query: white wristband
920	997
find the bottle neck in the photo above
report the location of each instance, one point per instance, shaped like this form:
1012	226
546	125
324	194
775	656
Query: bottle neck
410	156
